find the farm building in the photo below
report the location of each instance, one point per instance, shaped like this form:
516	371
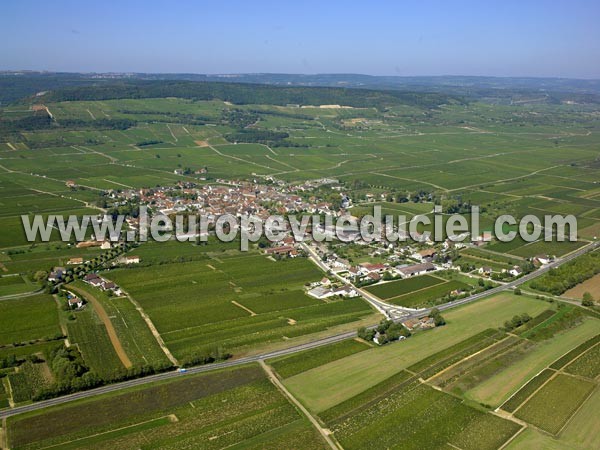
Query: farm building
426	255
286	250
415	269
320	292
366	268
130	260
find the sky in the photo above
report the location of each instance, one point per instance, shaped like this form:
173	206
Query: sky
503	38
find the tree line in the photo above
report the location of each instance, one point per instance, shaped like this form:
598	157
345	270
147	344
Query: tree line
243	94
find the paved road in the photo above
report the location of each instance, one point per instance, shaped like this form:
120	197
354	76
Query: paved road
380	306
250	359
173	374
523	279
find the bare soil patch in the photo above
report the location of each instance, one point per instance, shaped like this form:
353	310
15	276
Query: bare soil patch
592	286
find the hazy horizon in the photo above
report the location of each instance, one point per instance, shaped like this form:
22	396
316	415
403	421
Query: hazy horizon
307	74
512	39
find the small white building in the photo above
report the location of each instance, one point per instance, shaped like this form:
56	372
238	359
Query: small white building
515	271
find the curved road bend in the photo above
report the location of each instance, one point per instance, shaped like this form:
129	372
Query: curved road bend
250	359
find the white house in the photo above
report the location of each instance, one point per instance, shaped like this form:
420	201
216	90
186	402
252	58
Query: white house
515	271
543	259
75	302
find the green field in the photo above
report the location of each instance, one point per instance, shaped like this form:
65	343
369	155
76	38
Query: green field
526	391
234	301
216	410
551	406
132	331
533	359
393	289
580	433
570	356
298	363
12	285
587	365
430	296
28	319
89	334
328	385
425	418
28	381
401	151
416	291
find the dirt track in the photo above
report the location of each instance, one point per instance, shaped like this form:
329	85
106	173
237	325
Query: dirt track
112	334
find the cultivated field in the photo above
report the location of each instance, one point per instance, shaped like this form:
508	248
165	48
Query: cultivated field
323	387
417	291
536	159
217	410
233	300
552	405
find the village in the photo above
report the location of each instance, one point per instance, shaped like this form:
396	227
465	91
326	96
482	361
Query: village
352	264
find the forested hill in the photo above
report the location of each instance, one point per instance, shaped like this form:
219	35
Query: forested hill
243	93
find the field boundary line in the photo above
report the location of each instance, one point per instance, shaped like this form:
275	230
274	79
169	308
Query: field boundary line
110	329
568	421
172	134
273	378
554	375
171	417
513	437
571	360
153	330
521	387
466	358
494	252
239	305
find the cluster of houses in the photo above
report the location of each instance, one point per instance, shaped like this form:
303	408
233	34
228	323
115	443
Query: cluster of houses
100	283
238	198
324	289
516	271
375	271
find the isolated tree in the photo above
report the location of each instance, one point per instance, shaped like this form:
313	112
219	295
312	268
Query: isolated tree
587	299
